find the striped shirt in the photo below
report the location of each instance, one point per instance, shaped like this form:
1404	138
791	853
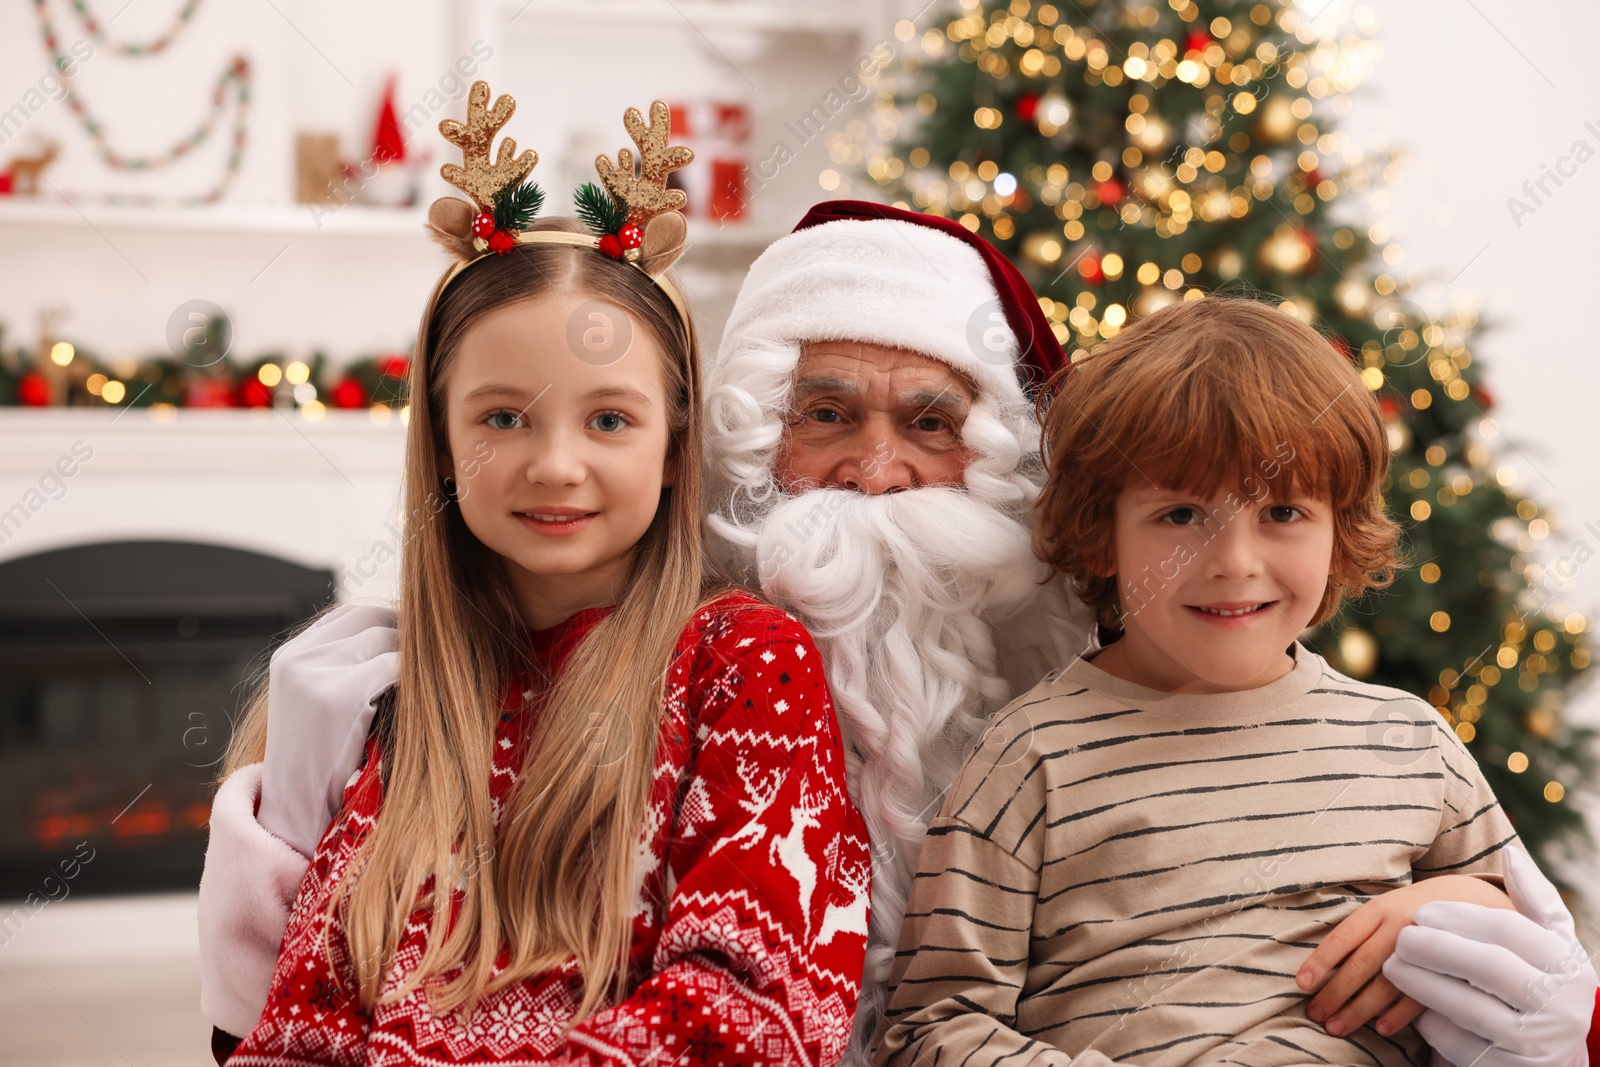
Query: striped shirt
1121	875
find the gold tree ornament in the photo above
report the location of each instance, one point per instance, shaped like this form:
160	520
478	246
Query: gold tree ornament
646	196
478	178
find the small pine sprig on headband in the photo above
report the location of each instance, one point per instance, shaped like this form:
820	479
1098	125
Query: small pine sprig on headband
598	211
516	206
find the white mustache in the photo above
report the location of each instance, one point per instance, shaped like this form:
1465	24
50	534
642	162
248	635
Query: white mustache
830	549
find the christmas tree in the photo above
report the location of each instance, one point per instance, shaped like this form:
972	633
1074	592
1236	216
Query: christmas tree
1131	153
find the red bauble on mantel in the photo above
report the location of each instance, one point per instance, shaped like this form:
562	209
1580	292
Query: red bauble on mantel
33	391
252	394
349	394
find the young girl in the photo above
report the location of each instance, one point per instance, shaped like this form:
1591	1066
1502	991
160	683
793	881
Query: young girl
604	819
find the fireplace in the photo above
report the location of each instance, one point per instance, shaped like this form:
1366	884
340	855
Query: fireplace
123	666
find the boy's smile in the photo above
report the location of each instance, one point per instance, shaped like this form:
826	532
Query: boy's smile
1214	591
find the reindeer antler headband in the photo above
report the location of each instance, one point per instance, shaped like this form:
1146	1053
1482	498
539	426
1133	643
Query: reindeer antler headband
638	221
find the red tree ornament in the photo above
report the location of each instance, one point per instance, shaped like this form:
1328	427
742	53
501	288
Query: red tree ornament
1110	191
1390	407
1090	270
395	366
1197	41
1028	106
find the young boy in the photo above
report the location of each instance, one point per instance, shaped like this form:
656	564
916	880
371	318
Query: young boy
1135	863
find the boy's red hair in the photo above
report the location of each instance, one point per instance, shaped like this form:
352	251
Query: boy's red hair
1200	394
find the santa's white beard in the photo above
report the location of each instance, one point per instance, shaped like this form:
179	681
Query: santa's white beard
906	595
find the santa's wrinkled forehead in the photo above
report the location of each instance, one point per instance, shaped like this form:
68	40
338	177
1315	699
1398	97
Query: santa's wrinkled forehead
860	368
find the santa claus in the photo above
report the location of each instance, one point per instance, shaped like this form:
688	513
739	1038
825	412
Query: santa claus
873	456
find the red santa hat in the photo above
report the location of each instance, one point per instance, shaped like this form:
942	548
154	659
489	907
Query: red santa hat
857	271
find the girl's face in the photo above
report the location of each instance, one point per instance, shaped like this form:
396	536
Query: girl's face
557	423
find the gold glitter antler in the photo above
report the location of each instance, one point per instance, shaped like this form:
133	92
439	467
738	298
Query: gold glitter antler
646	196
479	178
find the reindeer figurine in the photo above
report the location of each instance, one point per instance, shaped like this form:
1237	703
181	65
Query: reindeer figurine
25	171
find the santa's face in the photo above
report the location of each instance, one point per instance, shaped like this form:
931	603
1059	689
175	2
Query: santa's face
873	419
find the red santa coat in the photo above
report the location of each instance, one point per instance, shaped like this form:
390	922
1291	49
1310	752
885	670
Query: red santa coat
749	928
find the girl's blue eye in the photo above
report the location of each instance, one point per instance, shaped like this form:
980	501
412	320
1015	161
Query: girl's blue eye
493	415
1183	516
609	422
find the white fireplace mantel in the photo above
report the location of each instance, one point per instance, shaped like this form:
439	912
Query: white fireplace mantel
323	493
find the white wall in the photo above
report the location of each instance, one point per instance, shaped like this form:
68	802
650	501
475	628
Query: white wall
1483	96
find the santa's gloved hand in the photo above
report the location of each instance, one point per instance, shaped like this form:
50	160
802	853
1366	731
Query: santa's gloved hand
322	688
1503	989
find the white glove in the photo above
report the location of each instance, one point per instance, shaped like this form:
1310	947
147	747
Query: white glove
1503	989
322	686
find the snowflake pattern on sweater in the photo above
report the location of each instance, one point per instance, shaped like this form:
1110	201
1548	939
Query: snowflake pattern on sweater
749	925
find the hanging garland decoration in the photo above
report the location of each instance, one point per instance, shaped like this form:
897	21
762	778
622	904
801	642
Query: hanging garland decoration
97	32
233	82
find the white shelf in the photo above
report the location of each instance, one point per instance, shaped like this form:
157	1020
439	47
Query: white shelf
296	219
352	219
706	16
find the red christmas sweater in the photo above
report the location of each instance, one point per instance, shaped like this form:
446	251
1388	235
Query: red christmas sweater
750	920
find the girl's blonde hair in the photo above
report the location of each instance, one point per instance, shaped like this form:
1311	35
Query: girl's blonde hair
1199	393
559	882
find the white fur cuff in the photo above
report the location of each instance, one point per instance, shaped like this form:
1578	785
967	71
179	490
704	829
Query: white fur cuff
249	885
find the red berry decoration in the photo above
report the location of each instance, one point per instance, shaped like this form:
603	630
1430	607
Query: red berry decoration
483	225
349	394
611	245
33	391
630	235
501	242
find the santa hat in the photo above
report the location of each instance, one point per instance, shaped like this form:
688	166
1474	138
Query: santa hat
857	271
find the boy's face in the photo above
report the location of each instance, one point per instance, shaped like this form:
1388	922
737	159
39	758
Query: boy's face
1214	592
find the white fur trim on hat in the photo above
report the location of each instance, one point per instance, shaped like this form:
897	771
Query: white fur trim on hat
881	281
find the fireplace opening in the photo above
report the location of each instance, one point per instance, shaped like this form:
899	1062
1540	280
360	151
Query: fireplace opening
123	669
